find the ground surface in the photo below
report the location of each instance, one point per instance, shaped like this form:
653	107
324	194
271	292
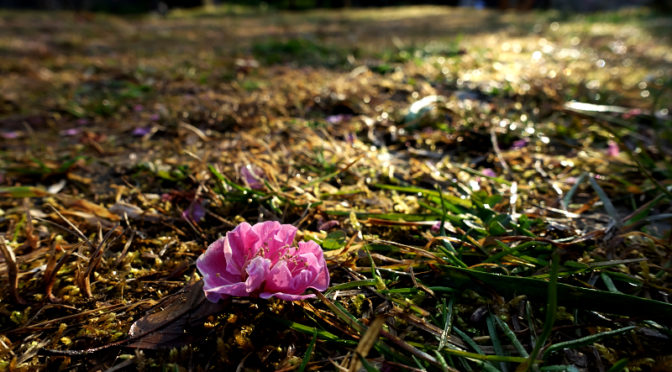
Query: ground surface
123	143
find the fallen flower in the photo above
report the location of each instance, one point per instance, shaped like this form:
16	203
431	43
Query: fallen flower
612	149
262	261
195	212
436	228
142	131
329	225
252	176
10	134
489	172
336	119
519	144
70	132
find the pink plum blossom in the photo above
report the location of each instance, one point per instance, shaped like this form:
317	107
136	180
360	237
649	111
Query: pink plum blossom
261	260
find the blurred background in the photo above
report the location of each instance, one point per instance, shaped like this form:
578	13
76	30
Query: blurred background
136	6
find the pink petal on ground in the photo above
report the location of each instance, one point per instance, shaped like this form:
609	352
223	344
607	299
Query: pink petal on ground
70	132
329	225
141	131
612	149
519	144
10	135
252	176
195	212
489	172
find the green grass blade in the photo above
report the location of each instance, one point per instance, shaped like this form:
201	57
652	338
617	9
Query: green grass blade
559	368
367	366
511	336
469	341
477	173
643	211
309	351
411	217
496	344
321	334
568	295
447	312
608	205
489	358
418	190
585	340
609	283
22	192
441	360
570	194
551	307
353	284
484	362
619	366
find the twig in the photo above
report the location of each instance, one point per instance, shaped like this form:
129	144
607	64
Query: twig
498	152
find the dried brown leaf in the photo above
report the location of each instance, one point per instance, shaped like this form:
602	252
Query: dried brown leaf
173	320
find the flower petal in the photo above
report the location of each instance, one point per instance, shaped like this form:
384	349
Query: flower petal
214	294
241	245
212	266
285	296
278	278
257	271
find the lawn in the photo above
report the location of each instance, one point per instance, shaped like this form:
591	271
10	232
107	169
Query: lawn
491	190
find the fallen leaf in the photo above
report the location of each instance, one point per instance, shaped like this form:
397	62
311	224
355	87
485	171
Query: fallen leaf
172	321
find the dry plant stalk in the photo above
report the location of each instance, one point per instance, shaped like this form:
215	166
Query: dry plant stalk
12	270
53	266
84	278
31	239
366	343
